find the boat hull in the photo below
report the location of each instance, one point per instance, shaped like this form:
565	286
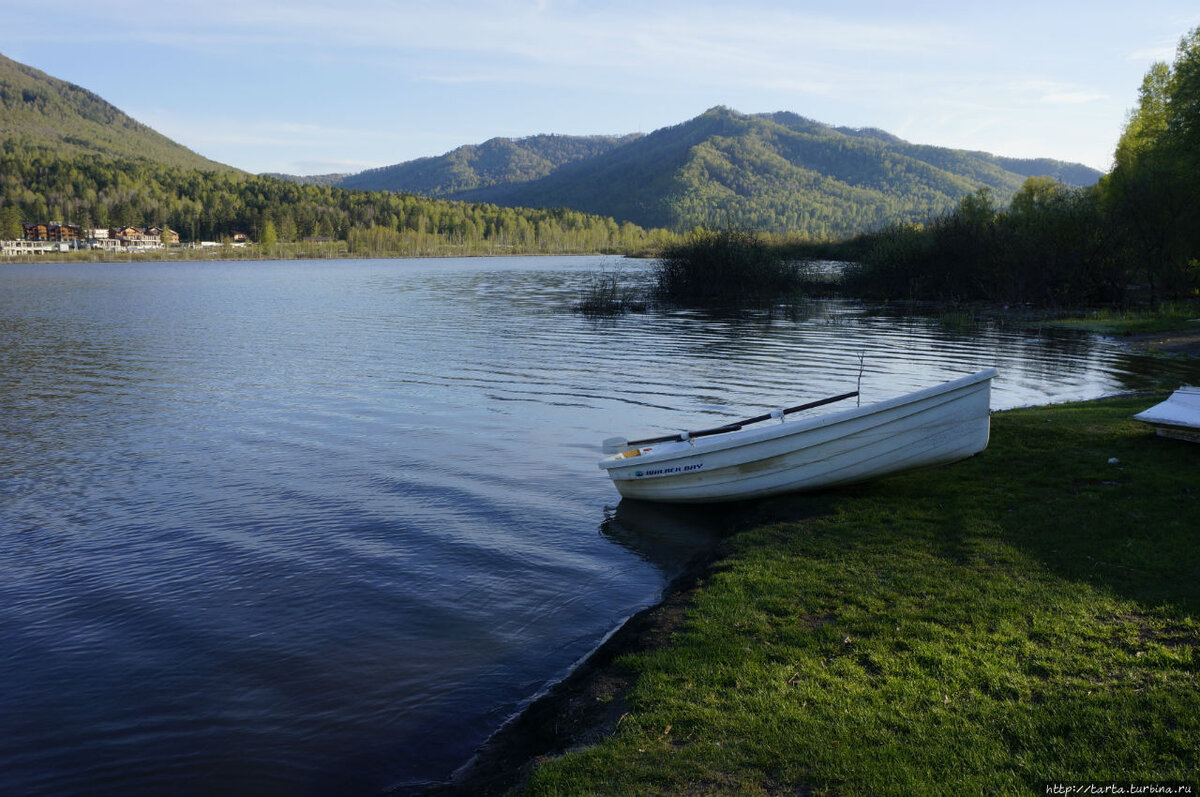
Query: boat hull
1178	417
935	426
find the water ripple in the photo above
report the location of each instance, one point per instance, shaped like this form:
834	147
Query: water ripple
272	527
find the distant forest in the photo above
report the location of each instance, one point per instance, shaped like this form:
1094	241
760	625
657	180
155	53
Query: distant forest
1134	237
96	191
68	156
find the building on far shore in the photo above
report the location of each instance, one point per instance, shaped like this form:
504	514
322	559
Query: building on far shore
136	238
13	248
171	236
55	236
35	232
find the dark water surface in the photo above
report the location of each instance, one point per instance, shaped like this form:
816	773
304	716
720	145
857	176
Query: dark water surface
315	527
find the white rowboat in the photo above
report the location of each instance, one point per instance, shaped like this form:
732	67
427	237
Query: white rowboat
933	426
1177	417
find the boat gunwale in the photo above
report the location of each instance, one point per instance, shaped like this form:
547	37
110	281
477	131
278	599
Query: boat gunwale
743	437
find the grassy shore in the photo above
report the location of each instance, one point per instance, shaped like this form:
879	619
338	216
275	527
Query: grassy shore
1172	317
1029	616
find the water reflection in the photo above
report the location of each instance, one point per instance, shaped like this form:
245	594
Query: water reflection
668	537
1145	371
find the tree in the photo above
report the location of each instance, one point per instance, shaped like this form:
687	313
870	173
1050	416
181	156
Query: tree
1147	123
10	223
287	228
1183	119
1152	193
1038	195
1183	133
268	238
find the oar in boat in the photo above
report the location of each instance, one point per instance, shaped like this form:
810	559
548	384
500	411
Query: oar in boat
614	444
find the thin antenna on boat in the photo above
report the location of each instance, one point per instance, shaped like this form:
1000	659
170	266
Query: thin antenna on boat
858	389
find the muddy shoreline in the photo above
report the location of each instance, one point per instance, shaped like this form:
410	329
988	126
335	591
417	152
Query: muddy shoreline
1182	341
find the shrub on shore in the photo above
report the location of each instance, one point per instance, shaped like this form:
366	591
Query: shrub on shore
725	268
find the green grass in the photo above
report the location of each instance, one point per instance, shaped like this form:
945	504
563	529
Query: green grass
1168	317
1026	616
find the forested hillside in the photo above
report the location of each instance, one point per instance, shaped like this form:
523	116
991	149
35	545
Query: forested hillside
40	111
775	172
90	190
497	161
68	156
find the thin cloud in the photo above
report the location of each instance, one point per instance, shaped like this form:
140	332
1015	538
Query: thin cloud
1073	97
708	37
1056	92
225	130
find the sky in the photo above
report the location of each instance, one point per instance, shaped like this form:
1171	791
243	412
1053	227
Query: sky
314	87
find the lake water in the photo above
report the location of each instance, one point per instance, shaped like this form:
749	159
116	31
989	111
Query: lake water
321	527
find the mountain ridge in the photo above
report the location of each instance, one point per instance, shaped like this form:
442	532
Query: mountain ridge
41	111
495	161
777	171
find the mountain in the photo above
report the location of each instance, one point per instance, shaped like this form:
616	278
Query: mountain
65	153
38	111
496	162
774	171
68	156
